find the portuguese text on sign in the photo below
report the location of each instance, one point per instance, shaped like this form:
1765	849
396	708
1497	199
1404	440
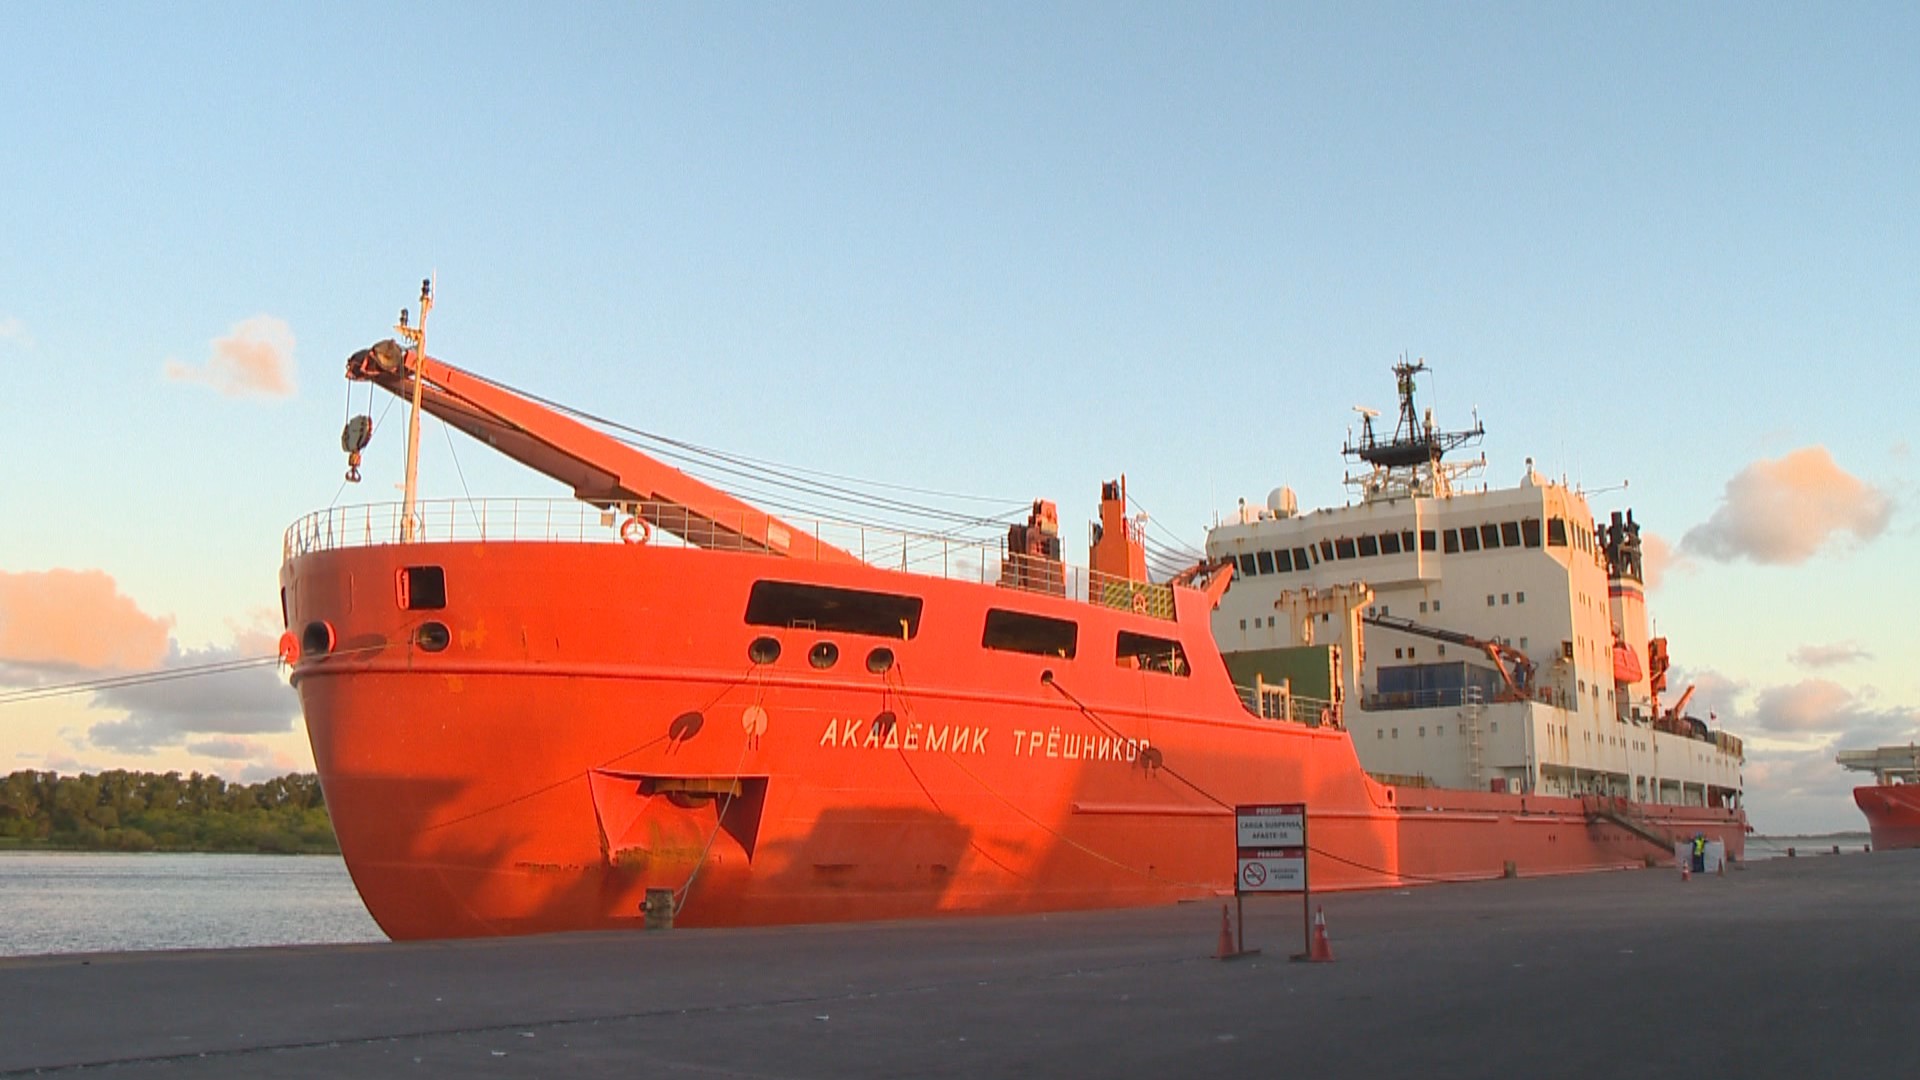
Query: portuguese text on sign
1280	825
1271	848
1282	870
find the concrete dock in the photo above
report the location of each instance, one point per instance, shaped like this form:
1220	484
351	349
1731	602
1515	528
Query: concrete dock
1787	968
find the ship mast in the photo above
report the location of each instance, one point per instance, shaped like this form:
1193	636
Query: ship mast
1410	463
416	337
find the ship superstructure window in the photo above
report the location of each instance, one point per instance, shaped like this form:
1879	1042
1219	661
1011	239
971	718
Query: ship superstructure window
1510	533
1556	532
1469	539
1246	566
1299	558
1326	551
1017	631
1150	653
421	588
1490	537
1389	543
1369	546
1283	560
846	611
1530	532
1265	561
1429	540
1343	548
1453	541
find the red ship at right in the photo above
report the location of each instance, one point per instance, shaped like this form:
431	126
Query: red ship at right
1892	801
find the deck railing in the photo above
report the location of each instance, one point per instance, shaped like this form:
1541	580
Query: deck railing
671	525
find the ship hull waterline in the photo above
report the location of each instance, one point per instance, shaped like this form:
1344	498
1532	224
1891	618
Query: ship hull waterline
593	727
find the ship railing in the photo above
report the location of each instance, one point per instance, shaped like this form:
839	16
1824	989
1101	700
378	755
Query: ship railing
1271	701
953	557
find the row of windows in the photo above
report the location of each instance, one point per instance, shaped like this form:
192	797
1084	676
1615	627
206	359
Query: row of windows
1470	538
1438	730
791	605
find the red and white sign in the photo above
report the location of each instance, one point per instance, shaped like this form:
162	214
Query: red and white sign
1283	870
1276	825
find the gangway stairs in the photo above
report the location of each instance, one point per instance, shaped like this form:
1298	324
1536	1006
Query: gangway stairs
1614	811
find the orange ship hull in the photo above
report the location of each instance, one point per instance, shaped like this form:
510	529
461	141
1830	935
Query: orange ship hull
591	725
1893	814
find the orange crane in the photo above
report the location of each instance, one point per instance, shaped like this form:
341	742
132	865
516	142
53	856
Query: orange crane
1513	665
601	469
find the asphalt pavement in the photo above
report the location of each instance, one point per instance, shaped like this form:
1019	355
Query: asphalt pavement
1787	968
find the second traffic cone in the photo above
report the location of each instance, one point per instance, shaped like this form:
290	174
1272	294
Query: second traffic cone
1227	951
1320	950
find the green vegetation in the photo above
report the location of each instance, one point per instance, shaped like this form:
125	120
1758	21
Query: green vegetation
133	811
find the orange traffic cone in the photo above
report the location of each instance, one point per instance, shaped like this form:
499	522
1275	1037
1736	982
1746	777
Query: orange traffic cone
1227	951
1686	870
1320	951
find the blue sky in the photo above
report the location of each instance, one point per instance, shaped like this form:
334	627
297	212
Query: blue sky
1004	249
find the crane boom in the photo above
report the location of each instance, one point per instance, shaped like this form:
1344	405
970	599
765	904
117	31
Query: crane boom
1513	665
600	469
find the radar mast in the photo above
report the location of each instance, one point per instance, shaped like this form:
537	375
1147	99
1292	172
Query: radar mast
1410	463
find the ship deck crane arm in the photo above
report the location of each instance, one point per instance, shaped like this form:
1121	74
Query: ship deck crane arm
599	468
1514	666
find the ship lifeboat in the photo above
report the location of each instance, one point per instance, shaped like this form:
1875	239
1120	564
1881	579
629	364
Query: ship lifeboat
1626	663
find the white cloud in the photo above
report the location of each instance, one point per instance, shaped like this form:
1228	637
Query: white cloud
1783	512
256	358
167	713
1823	656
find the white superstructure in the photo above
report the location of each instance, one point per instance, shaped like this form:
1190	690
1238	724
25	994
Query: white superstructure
1500	640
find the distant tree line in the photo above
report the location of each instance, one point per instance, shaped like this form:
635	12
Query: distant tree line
139	811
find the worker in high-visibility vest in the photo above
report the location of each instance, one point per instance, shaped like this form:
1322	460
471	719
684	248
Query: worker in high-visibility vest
1699	853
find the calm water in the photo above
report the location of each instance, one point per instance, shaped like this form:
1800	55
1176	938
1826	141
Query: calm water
56	902
1775	847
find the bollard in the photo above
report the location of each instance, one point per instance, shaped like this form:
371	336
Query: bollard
1512	869
1790	853
658	909
1836	849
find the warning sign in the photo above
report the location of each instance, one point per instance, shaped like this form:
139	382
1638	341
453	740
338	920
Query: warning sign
1282	871
1279	825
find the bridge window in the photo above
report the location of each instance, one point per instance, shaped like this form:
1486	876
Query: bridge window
1469	539
1299	558
1150	653
1510	534
1427	538
1369	545
1326	551
1265	561
1556	532
1389	543
1530	532
1283	560
1343	548
1246	566
1490	537
1453	541
846	611
1017	631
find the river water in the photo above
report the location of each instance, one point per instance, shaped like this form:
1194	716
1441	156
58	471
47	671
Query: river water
60	902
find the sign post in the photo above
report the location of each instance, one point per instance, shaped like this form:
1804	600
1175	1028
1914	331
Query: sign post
1270	843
